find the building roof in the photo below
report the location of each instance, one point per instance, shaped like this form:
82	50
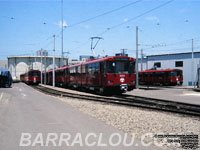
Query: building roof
173	56
34	57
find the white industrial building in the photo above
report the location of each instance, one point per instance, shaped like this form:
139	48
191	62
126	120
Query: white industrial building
21	64
3	64
185	61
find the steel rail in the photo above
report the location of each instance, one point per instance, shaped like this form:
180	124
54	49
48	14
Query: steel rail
130	100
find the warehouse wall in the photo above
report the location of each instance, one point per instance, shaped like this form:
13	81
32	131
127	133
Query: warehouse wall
19	65
169	62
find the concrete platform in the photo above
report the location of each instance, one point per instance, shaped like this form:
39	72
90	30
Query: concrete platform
183	94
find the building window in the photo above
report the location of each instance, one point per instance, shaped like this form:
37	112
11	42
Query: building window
157	64
179	63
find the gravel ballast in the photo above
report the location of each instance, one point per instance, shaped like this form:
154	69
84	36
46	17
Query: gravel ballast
138	121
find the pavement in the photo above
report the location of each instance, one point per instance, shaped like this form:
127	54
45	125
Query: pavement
183	94
25	111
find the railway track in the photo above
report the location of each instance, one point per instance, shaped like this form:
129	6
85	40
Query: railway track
130	100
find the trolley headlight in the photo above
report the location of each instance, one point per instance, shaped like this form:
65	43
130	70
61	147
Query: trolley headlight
110	82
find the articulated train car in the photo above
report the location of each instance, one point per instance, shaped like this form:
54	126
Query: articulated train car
31	77
109	74
161	77
198	82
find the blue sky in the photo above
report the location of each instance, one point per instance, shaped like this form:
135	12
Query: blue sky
28	25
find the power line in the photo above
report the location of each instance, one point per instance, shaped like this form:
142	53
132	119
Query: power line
136	17
170	44
179	49
140	15
100	15
188	48
105	13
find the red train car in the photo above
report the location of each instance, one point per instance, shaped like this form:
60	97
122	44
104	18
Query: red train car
161	77
61	76
109	74
31	77
48	77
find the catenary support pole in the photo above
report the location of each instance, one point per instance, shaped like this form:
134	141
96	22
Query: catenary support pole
53	60
192	67
41	65
141	59
62	57
136	67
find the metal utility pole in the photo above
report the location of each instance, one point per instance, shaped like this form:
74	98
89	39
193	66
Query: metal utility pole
93	47
192	62
41	65
136	67
53	60
35	62
62	59
123	51
45	63
15	67
141	59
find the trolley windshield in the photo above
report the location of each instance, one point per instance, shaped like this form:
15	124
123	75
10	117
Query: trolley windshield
34	73
176	73
125	67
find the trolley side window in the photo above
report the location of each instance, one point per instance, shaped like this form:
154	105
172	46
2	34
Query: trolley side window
83	69
111	67
72	70
176	73
97	68
93	68
89	68
132	67
79	69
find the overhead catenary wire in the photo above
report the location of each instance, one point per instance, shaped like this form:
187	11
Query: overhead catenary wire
105	13
153	46
134	18
120	24
97	16
186	48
